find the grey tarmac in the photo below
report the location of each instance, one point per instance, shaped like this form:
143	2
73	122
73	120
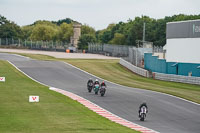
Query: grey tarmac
167	114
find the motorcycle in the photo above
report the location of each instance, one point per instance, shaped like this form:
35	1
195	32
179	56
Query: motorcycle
142	114
90	85
96	88
102	90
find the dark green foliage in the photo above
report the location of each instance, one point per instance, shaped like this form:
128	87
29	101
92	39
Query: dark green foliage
133	30
9	29
67	20
123	33
85	39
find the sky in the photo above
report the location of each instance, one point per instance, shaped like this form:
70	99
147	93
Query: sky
95	13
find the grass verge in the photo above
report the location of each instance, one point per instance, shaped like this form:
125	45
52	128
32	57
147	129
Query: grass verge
111	70
54	113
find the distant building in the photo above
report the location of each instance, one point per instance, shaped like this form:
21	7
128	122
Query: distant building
182	55
183	41
77	33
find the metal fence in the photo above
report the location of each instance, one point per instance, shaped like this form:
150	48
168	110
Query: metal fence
129	53
39	45
136	56
176	78
158	49
110	50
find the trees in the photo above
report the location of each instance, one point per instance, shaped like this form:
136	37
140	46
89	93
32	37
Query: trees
3	20
67	20
9	29
133	30
87	36
26	31
85	39
65	32
118	39
122	33
43	32
86	29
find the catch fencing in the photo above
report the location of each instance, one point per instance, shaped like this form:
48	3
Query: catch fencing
176	78
37	45
136	56
109	50
129	53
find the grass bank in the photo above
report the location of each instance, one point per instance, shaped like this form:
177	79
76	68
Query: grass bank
111	70
55	113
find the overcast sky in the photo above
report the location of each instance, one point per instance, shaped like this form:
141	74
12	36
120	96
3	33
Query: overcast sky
96	13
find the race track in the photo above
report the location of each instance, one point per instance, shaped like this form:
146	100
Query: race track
167	114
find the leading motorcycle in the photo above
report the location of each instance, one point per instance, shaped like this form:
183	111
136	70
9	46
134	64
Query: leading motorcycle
142	113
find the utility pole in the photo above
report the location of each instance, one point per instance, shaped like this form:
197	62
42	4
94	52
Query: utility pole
143	40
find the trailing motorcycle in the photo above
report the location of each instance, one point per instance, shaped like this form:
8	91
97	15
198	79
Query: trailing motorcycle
142	113
96	88
103	90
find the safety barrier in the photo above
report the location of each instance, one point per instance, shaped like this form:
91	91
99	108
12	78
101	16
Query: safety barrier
133	68
177	78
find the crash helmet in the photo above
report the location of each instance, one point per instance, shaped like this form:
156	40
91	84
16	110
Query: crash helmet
96	80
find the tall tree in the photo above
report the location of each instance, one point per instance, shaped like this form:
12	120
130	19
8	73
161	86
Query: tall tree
85	29
43	32
118	39
85	39
65	32
9	29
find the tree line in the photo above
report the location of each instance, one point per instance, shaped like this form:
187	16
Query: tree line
127	33
122	33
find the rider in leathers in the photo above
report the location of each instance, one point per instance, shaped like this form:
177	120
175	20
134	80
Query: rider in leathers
141	105
103	84
96	82
89	81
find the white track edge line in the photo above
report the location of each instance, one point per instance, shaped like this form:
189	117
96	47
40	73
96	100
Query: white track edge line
131	87
75	94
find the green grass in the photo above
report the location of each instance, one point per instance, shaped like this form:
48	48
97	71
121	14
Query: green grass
55	113
111	70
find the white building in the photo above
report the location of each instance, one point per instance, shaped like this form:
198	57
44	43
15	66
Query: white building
183	41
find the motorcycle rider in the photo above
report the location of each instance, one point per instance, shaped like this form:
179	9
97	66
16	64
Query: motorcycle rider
96	86
90	81
142	105
103	88
96	82
103	84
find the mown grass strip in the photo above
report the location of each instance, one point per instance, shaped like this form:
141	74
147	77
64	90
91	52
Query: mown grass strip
55	113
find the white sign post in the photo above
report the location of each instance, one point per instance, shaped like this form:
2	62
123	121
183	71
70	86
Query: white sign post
33	98
2	79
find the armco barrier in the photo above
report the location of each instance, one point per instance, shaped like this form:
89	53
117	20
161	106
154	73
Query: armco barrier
176	78
133	68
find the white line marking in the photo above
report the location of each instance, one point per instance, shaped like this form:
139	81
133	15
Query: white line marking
129	87
21	56
78	99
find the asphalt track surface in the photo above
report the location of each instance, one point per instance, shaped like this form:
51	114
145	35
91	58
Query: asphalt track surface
167	114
